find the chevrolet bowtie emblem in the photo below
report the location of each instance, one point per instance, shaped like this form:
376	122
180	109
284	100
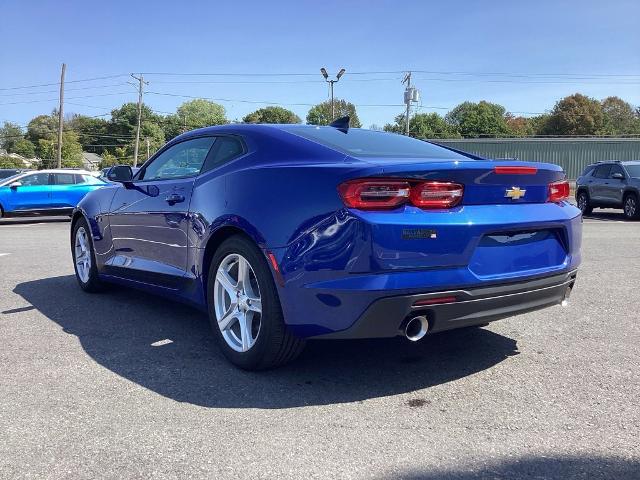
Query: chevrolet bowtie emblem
515	193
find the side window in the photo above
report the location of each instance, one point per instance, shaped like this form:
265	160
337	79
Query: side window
224	150
88	179
602	171
64	178
36	179
616	169
179	161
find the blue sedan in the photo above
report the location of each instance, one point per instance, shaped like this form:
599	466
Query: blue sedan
45	192
288	232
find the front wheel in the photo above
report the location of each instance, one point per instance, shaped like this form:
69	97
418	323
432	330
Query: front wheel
244	308
84	259
583	203
631	210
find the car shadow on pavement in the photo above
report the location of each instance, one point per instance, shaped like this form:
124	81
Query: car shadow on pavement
169	349
542	467
606	215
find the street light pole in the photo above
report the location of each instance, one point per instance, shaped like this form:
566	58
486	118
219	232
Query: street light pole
331	82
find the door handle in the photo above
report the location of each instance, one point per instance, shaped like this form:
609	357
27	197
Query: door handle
174	198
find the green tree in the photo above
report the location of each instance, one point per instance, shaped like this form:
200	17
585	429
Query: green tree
518	126
122	128
71	149
476	119
42	127
196	113
538	124
108	160
91	132
24	147
619	117
10	162
423	125
10	133
272	114
576	114
321	114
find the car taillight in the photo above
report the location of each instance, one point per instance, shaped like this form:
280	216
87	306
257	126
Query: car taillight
381	194
436	194
558	191
370	194
515	170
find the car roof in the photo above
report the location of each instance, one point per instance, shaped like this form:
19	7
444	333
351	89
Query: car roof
613	162
250	128
60	170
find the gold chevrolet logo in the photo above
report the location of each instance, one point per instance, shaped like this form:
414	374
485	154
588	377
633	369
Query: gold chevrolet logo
515	193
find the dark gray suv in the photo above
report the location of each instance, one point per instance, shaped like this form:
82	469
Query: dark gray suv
610	185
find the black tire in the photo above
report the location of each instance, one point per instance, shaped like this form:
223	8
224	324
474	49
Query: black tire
93	283
583	203
274	345
631	207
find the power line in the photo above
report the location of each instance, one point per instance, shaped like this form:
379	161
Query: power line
69	81
396	72
66	90
70	98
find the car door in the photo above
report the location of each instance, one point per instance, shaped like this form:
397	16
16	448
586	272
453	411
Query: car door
33	193
613	188
68	189
149	217
597	183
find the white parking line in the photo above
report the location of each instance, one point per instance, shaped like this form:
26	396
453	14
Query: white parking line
3	254
609	222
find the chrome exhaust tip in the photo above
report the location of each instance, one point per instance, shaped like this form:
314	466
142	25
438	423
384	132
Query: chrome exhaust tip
565	298
416	328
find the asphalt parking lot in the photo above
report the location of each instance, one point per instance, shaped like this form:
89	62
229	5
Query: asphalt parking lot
126	385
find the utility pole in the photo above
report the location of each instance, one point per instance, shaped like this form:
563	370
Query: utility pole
61	115
407	101
148	148
137	144
331	82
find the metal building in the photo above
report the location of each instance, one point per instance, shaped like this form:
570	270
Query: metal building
572	154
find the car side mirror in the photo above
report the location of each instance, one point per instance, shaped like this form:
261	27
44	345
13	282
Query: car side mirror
120	173
618	176
15	185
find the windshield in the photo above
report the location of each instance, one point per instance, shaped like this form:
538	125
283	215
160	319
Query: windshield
370	143
8	180
634	170
7	173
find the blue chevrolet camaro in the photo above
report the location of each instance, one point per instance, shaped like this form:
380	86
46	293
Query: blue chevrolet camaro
45	192
288	232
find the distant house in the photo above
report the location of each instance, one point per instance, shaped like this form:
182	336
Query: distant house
91	161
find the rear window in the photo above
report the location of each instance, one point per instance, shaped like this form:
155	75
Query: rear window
369	143
633	170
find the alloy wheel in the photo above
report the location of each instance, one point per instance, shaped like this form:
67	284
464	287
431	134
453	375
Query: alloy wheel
82	255
237	302
582	202
630	207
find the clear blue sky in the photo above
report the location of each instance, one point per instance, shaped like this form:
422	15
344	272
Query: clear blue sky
269	36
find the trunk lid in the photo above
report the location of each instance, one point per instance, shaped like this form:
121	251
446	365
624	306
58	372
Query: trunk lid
485	181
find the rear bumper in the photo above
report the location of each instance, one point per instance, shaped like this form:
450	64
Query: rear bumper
387	317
